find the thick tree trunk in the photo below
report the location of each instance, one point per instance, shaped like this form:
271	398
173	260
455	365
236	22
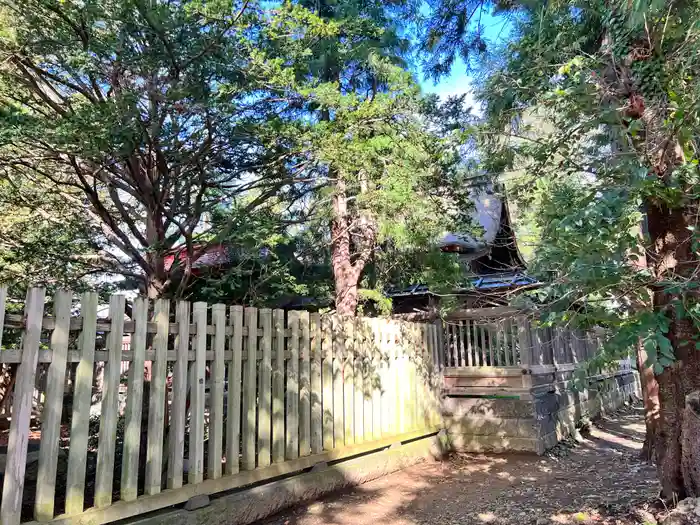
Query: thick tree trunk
650	396
672	257
359	232
344	273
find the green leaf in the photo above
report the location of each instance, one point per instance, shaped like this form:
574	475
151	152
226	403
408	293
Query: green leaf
658	369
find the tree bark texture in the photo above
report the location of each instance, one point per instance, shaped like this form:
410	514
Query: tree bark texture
353	236
650	397
672	256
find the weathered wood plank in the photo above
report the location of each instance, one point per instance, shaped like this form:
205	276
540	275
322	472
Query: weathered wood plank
304	385
376	378
51	414
338	361
13	484
176	441
233	407
359	388
82	393
402	378
316	385
421	372
292	396
249	391
349	382
156	401
216	394
110	406
265	389
195	472
134	403
367	374
278	438
327	380
385	377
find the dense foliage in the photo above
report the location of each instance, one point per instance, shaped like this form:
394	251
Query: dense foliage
179	126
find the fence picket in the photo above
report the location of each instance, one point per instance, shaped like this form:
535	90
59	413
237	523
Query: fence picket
176	437
462	336
233	406
338	363
156	404
195	472
337	382
110	405
316	386
375	378
327	381
468	335
292	397
348	383
249	390
216	393
13	484
134	403
278	437
82	392
358	363
51	415
265	389
304	386
367	371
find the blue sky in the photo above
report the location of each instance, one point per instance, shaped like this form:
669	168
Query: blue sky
496	29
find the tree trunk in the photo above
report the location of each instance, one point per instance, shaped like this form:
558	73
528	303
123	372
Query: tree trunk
672	257
344	272
650	396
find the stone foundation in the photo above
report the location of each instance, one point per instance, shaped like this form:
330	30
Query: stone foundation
536	420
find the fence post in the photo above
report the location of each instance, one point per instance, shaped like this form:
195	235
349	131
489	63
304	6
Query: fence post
195	473
249	389
216	393
233	413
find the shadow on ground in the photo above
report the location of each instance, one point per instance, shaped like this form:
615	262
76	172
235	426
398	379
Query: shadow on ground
594	481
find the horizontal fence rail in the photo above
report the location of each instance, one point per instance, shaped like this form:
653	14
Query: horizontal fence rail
146	410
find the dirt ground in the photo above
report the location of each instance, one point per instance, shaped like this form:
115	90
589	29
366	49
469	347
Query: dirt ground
599	480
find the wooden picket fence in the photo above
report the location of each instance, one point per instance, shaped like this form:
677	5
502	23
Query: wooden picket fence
236	396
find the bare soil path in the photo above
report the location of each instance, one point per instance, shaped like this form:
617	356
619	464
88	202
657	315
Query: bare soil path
600	480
